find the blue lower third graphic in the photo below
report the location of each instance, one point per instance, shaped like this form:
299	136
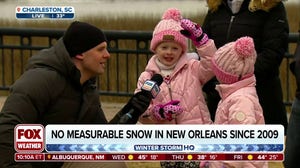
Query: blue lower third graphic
45	15
239	148
165	147
87	147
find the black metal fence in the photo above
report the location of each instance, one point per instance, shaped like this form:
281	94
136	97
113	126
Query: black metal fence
129	55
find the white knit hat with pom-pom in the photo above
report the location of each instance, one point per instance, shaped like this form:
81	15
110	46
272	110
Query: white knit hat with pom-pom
168	29
234	61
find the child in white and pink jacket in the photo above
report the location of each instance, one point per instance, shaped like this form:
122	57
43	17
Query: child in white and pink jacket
180	100
233	65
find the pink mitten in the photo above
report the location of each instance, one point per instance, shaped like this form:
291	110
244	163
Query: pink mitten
194	32
167	111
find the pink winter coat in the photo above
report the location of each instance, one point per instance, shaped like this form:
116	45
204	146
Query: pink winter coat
239	104
184	84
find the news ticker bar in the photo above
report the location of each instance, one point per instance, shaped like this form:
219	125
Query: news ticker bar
48	157
34	138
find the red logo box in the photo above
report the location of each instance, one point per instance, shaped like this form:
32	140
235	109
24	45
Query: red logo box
29	138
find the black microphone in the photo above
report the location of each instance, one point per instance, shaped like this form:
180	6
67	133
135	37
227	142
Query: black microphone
151	87
149	90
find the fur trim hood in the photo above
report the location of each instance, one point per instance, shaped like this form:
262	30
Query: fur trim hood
254	5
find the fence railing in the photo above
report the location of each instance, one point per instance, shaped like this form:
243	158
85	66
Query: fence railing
129	55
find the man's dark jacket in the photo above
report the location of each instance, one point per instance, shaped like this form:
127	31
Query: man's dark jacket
49	92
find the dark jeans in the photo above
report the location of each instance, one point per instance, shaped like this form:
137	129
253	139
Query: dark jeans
292	149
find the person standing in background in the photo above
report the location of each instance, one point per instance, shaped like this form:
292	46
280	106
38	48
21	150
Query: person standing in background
266	22
292	148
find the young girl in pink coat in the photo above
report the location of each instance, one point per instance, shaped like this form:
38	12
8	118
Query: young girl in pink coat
233	65
180	100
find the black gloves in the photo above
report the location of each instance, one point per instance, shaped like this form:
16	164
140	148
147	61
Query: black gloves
135	107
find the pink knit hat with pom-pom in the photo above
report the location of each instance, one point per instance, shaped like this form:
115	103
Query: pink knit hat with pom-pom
234	61
168	29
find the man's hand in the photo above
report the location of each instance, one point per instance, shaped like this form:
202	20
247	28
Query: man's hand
131	112
140	102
